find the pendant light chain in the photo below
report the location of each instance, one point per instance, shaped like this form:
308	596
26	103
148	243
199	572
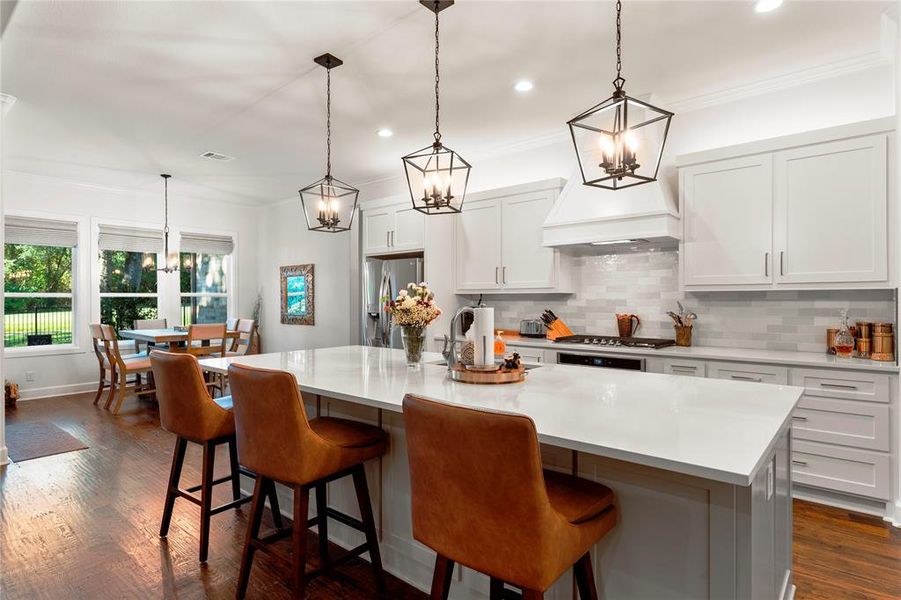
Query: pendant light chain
166	209
328	123
619	81
437	81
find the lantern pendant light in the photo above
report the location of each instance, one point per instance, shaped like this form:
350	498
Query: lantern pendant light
436	175
171	261
619	142
329	204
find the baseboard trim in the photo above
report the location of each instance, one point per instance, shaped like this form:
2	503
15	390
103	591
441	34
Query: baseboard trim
56	390
4	456
895	519
877	508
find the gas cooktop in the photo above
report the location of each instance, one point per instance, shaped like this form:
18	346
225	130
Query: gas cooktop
613	341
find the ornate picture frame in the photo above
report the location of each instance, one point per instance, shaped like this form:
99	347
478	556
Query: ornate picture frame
298	295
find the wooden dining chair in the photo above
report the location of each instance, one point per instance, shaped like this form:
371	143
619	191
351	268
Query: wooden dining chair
206	340
107	368
231	324
123	367
243	344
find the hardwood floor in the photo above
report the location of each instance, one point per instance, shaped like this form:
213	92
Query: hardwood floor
85	525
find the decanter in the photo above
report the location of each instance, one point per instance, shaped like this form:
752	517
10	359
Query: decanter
844	342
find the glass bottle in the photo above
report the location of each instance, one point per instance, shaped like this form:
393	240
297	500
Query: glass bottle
844	342
500	346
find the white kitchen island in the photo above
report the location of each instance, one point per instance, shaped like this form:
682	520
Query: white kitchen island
700	467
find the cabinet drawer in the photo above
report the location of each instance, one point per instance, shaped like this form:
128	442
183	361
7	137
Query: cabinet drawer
872	387
687	367
846	422
748	372
528	355
848	470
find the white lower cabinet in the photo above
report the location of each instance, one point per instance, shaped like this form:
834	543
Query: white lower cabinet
849	470
748	372
843	422
687	367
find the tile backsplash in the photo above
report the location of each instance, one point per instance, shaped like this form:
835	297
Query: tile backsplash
647	284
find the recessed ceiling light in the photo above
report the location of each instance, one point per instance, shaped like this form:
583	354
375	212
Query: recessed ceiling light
767	5
384	132
523	85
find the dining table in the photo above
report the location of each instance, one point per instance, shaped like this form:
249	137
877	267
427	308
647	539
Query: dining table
169	335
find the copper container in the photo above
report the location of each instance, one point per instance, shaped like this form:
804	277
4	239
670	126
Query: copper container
883	347
863	347
864	329
683	335
883	328
830	340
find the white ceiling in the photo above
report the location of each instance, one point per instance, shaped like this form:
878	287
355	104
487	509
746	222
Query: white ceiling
113	93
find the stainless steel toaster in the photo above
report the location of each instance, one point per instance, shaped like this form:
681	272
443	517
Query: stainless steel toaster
531	328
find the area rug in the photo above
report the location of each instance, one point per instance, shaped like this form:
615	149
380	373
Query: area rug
26	441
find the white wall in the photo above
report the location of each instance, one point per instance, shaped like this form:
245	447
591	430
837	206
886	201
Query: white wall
285	240
73	372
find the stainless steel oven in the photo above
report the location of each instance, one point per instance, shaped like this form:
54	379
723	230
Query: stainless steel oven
601	361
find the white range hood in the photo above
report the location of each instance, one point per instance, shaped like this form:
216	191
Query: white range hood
589	215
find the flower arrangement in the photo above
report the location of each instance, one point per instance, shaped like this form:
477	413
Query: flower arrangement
414	306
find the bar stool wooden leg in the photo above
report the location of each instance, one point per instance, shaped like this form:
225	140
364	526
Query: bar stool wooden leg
441	578
372	538
322	521
496	590
253	532
178	459
299	539
585	578
206	498
273	506
236	472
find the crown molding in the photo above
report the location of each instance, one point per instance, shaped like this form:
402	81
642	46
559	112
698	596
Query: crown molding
846	66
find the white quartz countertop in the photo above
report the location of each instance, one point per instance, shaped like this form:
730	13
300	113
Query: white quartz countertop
776	357
716	429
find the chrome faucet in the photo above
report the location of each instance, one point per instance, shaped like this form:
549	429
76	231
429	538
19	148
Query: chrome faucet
450	344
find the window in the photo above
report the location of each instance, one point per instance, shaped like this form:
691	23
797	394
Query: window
39	281
204	278
128	275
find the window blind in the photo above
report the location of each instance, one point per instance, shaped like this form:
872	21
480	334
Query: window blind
206	243
130	239
40	232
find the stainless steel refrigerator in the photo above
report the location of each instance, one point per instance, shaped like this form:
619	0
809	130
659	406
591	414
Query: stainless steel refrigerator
384	278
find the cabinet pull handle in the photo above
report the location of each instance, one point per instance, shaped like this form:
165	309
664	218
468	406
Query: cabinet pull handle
746	378
683	368
781	262
496	277
800	463
838	386
504	275
766	264
799	418
387	239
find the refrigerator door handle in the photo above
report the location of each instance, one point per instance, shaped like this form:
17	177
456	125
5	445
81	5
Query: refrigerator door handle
389	294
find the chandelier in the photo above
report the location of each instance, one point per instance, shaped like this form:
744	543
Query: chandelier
619	142
329	204
436	175
171	261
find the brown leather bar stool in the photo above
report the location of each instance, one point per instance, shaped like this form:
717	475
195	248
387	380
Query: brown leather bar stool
481	499
279	443
188	411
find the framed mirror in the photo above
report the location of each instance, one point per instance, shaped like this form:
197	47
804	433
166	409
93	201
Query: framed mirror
297	286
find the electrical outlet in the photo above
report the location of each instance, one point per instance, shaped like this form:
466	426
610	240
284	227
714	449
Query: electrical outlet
770	480
29	375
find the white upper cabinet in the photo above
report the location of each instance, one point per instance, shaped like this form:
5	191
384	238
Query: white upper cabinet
831	209
498	242
806	211
727	208
478	242
526	264
391	229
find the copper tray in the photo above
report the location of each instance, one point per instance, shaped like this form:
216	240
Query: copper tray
503	375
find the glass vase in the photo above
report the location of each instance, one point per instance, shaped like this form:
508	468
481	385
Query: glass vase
414	342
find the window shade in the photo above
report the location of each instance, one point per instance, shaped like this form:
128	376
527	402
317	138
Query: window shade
206	244
40	232
130	239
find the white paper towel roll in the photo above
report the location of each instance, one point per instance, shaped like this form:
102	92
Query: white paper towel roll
483	336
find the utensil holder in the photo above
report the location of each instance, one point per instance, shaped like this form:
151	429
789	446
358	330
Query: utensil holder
683	335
